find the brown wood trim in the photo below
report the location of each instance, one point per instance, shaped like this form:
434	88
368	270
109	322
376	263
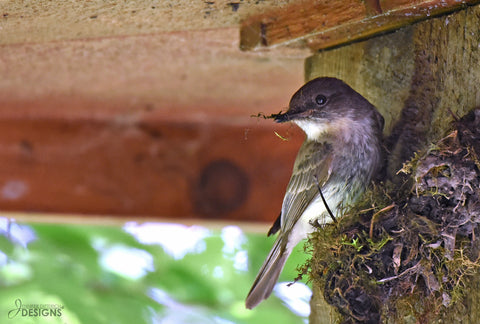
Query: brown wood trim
150	167
323	24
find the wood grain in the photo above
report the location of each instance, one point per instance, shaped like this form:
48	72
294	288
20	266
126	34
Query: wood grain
324	24
414	76
417	77
148	167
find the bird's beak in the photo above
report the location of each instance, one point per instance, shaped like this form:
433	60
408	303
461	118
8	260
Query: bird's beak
281	118
290	115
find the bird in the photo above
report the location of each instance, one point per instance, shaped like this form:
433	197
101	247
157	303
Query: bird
340	156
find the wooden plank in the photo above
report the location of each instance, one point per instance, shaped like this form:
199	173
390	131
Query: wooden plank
43	21
421	72
71	116
416	77
323	24
151	166
115	220
198	72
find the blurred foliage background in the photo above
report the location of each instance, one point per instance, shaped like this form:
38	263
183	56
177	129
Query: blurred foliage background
140	273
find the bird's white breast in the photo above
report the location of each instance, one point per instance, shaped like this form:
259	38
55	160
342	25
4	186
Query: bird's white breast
315	211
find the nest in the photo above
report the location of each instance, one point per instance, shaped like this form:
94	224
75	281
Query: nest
409	250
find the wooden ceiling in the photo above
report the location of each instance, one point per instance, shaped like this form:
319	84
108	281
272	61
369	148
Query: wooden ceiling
170	55
178	56
144	107
123	107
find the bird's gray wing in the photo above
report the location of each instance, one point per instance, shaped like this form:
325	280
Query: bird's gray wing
313	162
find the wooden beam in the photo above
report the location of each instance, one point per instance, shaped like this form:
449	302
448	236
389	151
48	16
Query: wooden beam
423	71
147	166
417	77
43	21
132	126
323	23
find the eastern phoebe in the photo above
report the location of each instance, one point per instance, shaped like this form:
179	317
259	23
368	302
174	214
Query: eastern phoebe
340	155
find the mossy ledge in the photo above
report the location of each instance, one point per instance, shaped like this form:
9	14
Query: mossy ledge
409	254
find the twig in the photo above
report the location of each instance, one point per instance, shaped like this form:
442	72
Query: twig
372	221
411	269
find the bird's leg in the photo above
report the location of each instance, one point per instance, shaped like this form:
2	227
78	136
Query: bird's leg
323	199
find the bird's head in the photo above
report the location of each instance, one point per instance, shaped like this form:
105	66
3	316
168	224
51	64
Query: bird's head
327	107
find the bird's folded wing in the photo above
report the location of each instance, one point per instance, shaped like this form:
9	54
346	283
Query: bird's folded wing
313	162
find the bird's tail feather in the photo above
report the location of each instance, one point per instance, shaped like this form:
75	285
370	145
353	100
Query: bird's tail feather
269	272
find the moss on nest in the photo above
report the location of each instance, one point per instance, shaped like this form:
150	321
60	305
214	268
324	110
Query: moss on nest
407	254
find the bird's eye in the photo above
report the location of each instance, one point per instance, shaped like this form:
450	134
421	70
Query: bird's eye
321	100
